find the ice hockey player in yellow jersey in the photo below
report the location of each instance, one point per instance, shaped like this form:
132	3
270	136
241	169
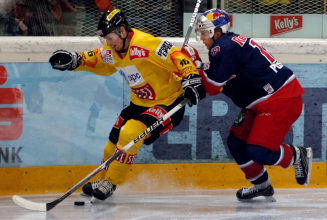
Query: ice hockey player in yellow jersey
160	77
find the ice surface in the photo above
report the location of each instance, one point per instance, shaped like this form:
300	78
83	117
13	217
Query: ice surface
292	204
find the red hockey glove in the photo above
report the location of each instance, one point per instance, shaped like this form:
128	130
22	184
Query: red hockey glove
193	54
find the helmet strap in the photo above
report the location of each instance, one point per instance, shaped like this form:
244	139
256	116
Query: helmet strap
213	38
124	42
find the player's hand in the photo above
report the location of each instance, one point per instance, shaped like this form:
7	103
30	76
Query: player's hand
193	89
64	60
193	54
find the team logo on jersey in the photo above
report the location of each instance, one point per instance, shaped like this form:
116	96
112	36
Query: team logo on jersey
240	119
215	50
107	56
269	88
137	52
163	49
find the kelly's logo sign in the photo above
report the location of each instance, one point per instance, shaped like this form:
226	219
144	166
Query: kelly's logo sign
280	24
11	118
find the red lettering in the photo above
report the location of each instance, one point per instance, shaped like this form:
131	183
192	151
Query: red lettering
267	55
240	40
11	119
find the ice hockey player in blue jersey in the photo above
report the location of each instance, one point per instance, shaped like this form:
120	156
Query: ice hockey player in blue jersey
269	95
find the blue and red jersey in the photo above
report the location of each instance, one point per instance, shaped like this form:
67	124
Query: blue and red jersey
247	73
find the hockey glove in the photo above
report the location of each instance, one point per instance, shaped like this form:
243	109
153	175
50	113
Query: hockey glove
193	54
63	60
193	89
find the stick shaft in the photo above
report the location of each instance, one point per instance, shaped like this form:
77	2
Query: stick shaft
48	206
190	27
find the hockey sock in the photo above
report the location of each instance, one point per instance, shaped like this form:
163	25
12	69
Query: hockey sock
108	151
254	172
287	157
263	185
119	168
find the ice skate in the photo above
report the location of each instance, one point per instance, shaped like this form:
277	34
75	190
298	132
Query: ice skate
246	194
303	165
89	187
104	190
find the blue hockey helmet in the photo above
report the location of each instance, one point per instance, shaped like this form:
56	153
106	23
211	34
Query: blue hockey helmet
210	20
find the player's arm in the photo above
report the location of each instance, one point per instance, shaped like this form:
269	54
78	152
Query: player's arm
212	87
191	80
85	61
214	76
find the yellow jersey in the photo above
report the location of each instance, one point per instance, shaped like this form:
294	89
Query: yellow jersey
153	68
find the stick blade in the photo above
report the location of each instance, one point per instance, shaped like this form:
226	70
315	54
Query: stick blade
34	206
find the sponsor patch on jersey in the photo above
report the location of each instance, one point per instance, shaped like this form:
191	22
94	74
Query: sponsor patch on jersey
131	75
163	49
188	70
107	56
145	92
158	113
269	88
240	119
119	122
137	52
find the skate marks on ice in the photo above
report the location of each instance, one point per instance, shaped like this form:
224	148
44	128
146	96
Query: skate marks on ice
176	205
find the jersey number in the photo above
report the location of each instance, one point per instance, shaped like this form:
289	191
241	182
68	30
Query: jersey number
274	63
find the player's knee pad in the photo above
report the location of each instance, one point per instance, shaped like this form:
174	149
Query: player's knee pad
129	132
118	169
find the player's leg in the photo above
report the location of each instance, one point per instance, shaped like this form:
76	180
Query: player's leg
129	112
119	168
254	172
270	126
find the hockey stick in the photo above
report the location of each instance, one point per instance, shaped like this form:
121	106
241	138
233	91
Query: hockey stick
34	206
190	27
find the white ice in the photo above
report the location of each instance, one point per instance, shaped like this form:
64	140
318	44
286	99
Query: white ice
292	204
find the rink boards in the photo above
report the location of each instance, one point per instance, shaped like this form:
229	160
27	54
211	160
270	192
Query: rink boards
55	124
149	177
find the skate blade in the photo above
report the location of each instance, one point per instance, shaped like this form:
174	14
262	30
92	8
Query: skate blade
309	157
270	199
95	200
83	194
